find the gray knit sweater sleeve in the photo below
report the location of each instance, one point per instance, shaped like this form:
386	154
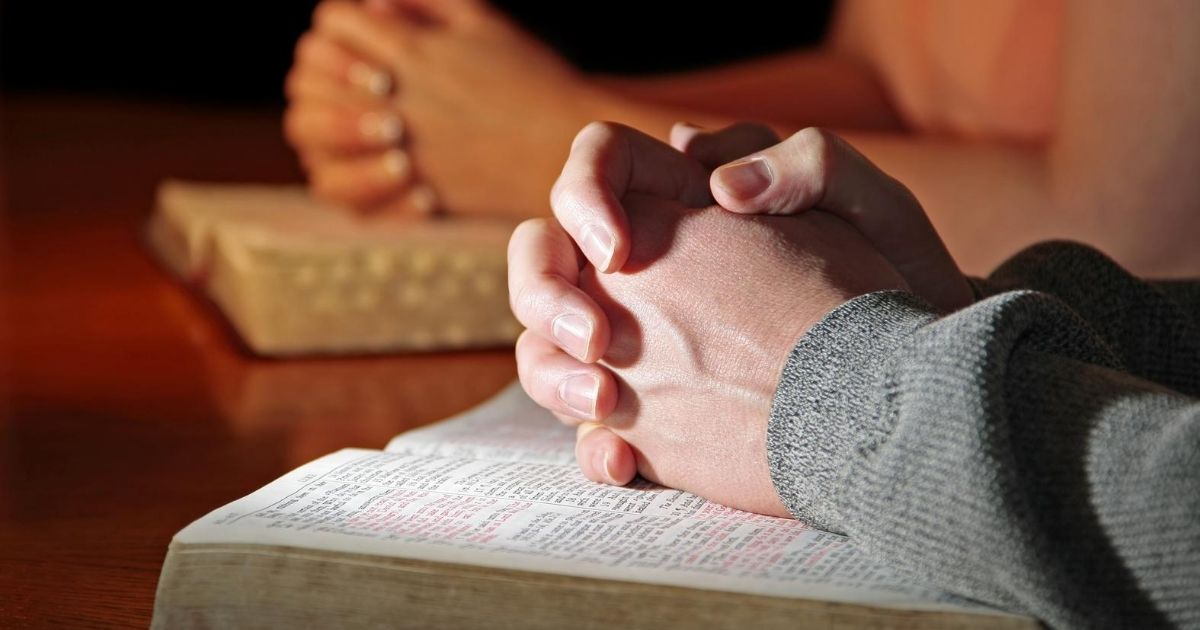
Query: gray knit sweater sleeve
1038	450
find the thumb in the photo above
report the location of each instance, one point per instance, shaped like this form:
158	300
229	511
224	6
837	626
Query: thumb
714	148
816	169
811	167
603	457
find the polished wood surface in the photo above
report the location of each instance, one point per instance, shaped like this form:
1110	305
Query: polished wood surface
126	408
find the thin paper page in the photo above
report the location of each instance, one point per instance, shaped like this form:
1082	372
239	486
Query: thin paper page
508	427
547	517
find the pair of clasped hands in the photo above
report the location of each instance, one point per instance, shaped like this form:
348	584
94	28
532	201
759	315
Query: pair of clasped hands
663	298
663	301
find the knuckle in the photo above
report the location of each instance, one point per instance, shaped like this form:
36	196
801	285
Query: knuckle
304	48
319	184
566	198
569	197
525	368
520	235
815	148
558	192
291	127
598	132
519	244
326	184
291	85
522	354
519	299
810	139
307	161
326	11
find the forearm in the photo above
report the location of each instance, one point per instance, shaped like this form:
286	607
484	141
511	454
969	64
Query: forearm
1153	328
998	453
987	200
1035	450
779	89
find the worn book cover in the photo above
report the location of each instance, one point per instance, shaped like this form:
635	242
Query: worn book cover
296	277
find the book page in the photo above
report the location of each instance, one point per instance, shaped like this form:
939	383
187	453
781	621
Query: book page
548	517
508	427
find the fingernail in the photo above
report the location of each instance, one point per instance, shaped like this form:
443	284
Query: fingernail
423	199
597	244
682	134
574	333
579	394
373	81
746	179
385	128
396	164
600	463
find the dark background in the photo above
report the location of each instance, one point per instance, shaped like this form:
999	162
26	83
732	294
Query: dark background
223	51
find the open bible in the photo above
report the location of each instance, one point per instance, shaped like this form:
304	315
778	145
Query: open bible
484	520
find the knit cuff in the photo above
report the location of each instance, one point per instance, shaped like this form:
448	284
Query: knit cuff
830	397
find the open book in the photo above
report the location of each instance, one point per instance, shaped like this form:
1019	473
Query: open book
485	521
294	276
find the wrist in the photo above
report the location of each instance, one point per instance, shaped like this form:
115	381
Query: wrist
830	399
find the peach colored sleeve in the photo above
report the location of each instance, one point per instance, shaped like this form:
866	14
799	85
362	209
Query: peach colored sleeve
970	69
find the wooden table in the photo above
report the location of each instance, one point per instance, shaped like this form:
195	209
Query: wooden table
126	411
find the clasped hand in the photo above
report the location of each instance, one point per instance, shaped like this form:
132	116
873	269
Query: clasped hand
663	299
